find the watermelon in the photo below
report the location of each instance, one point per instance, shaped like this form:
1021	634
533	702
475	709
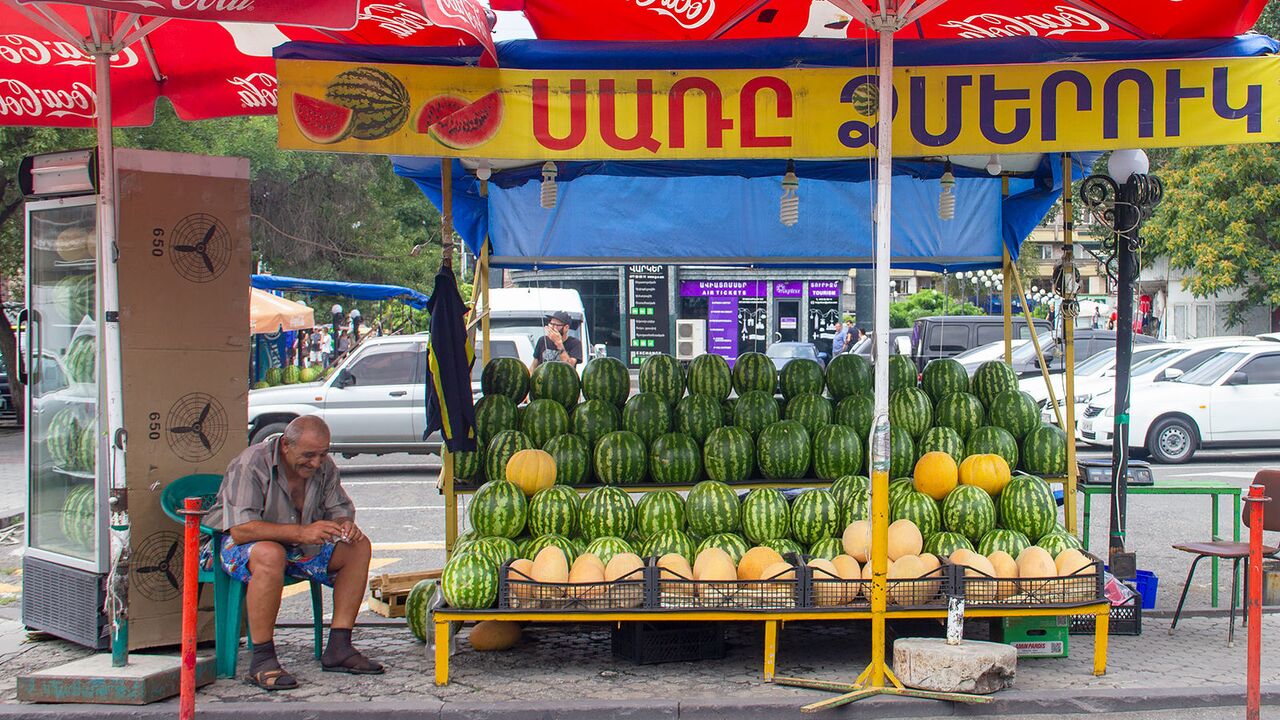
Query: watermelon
1010	541
468	466
902	373
728	455
530	550
902	452
497	549
663	376
659	511
911	410
968	510
607	546
63	438
814	516
942	377
377	98
992	378
783	451
898	489
754	411
697	416
993	440
754	371
505	376
470	581
669	541
961	412
811	410
942	544
415	608
845	488
471	126
856	506
1027	506
1044	451
675	459
801	376
648	416
606	511
542	420
621	459
919	509
495	413
766	514
712	507
1015	411
572	457
554	511
1057	541
436	109
321	122
943	439
728	542
784	545
847	375
555	381
837	452
726	410
499	508
500	449
826	548
606	379
709	375
857	412
593	419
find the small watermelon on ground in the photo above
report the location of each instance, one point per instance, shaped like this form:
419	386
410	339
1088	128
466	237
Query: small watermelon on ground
728	455
1057	541
606	511
499	508
500	449
783	450
542	420
1044	451
826	548
919	509
811	410
943	439
968	510
621	459
731	543
902	373
837	452
554	511
697	416
648	416
911	410
572	457
1015	411
754	411
993	440
712	507
555	381
468	466
942	544
1027	505
961	412
415	608
815	515
606	379
1010	541
669	541
992	378
505	376
801	376
766	514
709	375
902	452
658	511
662	374
675	459
470	581
848	374
942	377
857	412
593	419
754	371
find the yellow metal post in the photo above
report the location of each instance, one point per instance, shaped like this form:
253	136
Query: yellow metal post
879	572
770	649
450	504
442	652
1068	343
1007	268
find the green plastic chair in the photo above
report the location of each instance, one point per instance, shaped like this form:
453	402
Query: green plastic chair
228	593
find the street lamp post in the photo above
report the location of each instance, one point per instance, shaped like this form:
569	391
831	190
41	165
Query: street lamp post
1122	200
336	311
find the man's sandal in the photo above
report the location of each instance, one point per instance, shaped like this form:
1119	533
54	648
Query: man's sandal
272	680
355	664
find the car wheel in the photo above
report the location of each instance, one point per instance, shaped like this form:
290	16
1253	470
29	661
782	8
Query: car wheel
269	431
1173	441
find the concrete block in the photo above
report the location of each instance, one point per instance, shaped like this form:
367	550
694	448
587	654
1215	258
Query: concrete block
145	679
969	667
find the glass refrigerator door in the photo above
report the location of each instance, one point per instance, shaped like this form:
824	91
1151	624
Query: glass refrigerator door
60	356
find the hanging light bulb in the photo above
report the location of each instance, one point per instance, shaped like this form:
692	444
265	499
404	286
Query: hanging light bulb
789	207
549	191
993	165
484	172
947	200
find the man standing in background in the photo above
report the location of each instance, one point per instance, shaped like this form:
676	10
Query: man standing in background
841	339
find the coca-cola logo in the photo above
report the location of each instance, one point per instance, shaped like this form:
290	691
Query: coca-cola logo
1062	20
185	5
395	19
18	99
688	14
24	49
258	90
466	12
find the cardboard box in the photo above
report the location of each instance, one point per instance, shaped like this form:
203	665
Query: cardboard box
1035	637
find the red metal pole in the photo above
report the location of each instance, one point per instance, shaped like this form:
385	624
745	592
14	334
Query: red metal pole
190	592
1253	702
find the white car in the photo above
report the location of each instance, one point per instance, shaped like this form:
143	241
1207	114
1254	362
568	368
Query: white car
1232	399
1092	376
973	357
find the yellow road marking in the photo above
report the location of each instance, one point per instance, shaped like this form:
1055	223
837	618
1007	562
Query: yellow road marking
6	588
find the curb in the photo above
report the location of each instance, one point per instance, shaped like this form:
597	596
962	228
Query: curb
10	517
1008	703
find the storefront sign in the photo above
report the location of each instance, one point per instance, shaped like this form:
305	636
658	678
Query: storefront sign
648	312
824	289
778	113
722	288
722	326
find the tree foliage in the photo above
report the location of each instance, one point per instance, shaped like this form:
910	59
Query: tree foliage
904	313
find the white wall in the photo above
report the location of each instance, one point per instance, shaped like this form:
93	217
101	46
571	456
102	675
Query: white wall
1185	316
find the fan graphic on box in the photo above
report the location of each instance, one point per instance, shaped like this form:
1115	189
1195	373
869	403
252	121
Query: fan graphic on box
201	248
196	427
157	566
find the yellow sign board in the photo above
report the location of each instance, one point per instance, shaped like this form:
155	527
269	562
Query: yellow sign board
784	113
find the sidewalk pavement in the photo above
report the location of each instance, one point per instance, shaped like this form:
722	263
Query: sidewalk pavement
569	671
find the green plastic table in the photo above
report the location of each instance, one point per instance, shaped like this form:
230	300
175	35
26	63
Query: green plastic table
1179	486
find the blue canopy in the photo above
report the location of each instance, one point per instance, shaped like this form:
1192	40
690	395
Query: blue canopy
359	291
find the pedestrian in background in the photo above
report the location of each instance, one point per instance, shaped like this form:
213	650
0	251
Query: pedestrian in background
841	339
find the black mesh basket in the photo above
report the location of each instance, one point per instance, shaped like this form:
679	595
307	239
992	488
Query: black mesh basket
1126	619
827	591
649	643
518	591
1080	588
782	591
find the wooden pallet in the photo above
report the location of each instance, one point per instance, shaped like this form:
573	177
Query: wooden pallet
389	592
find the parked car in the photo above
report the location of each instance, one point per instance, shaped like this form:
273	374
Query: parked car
1272	337
974	357
782	353
1229	400
944	336
1087	344
899	343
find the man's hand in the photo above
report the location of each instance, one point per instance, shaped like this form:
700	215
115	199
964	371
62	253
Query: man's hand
556	339
350	532
319	532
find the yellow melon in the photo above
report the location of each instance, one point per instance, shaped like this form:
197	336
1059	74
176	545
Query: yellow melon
586	572
781	570
1007	570
931	561
979	588
904	539
491	635
857	540
753	564
714	565
550	566
987	471
847	567
907	567
936	474
1070	562
674	566
624	566
532	470
828	589
1035	562
585	559
521	571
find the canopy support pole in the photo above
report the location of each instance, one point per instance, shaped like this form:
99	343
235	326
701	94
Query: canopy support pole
1067	311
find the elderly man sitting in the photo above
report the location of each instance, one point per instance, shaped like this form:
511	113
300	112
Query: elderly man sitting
285	513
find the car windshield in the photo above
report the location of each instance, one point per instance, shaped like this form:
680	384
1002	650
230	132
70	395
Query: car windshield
1212	369
1023	354
1154	360
1096	365
778	350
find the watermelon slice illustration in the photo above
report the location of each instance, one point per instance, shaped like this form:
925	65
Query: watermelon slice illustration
321	122
471	126
437	109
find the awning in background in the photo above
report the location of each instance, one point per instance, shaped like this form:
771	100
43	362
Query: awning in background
359	291
271	313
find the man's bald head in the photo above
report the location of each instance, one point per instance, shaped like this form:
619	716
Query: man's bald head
305	446
306	425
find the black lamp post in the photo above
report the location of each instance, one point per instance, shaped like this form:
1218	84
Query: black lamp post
1122	200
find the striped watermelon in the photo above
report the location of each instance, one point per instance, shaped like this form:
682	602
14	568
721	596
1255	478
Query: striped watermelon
814	516
837	452
944	376
709	375
542	420
968	510
826	548
857	506
993	440
961	412
497	549
675	459
1027	505
911	410
572	456
606	379
728	542
902	452
845	488
378	99
606	511
902	373
495	413
647	415
726	410
766	514
1057	541
783	450
848	374
505	376
470	581
754	371
784	545
662	375
468	466
555	381
1044	451
712	507
1010	541
659	511
944	543
754	411
606	547
500	449
992	378
496	509
554	511
898	489
943	439
1015	411
728	455
697	416
919	509
594	419
800	376
811	410
857	412
621	459
669	541
530	550
415	608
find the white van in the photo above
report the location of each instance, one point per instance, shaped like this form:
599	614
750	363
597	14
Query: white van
525	310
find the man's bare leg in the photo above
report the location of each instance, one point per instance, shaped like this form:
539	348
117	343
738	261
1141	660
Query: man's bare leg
266	580
349	568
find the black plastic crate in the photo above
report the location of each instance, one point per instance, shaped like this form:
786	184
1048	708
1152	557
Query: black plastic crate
517	591
671	591
981	590
650	643
825	592
1126	619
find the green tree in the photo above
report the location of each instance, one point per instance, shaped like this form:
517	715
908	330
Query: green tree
904	313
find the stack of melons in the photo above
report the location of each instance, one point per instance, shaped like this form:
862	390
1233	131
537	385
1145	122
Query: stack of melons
906	562
588	579
836	581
